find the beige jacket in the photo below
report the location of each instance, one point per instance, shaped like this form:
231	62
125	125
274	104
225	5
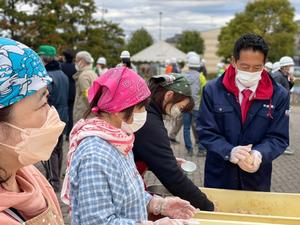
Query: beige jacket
84	79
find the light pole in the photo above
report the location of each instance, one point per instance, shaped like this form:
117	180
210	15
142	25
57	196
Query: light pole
160	27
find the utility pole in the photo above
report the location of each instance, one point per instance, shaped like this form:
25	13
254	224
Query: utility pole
160	27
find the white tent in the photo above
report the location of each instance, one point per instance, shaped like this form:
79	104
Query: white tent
159	52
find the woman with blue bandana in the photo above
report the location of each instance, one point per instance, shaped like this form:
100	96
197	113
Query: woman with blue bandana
29	130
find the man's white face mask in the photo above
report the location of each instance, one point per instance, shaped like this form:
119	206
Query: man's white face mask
248	79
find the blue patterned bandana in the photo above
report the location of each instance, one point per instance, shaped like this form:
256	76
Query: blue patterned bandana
22	72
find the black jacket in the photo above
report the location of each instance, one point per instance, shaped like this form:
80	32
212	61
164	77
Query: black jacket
69	70
152	146
58	89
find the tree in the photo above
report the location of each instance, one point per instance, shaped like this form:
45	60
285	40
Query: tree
272	19
15	24
106	41
140	39
63	24
190	41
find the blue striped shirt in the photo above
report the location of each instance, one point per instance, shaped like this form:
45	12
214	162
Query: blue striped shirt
105	186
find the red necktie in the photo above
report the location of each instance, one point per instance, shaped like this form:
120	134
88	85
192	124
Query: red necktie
246	103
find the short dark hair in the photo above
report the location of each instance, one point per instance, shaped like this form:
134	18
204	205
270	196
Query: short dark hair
250	41
69	55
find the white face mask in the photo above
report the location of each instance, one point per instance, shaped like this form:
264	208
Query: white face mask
139	119
77	67
175	111
248	79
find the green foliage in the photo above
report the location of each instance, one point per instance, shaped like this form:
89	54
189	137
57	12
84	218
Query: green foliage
140	39
272	19
62	23
191	41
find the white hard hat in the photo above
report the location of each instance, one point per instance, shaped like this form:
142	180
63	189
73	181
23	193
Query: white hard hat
125	54
101	60
167	61
194	62
173	60
269	65
276	66
286	61
189	54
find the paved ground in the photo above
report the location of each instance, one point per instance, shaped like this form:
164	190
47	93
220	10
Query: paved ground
286	172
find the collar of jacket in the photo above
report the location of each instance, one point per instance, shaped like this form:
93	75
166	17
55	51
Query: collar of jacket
264	89
53	65
153	107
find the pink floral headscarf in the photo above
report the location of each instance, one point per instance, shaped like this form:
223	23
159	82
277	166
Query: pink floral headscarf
120	88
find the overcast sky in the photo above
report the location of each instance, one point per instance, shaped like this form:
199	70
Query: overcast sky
177	15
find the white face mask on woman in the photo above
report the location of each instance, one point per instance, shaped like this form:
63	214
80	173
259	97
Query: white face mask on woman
37	144
175	111
139	119
248	79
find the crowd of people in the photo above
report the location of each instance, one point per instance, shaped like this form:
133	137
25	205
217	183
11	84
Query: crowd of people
114	122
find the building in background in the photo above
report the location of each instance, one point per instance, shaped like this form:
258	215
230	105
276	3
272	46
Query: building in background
210	56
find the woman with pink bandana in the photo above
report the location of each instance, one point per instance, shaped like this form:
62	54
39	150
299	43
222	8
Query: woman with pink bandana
102	184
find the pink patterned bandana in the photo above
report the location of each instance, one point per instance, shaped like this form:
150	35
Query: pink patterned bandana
120	139
120	88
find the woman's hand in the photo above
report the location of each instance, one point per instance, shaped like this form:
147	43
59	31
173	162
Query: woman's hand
180	161
177	208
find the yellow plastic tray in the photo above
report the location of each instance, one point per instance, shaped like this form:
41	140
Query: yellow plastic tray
263	207
222	222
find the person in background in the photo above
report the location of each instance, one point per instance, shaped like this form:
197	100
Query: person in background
175	67
58	97
192	75
68	67
220	69
101	66
203	68
178	122
275	67
102	183
269	67
170	95
29	130
245	124
285	77
84	78
169	67
125	60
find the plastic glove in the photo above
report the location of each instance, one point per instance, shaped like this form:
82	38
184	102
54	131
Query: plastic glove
239	153
168	221
252	168
177	208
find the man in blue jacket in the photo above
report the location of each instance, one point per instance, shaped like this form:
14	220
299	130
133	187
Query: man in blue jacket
58	97
243	121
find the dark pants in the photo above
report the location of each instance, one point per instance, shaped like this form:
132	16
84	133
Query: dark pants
70	121
56	164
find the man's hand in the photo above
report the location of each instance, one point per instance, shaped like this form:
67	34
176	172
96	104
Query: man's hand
240	153
254	166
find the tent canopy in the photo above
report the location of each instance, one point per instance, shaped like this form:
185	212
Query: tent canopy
159	52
